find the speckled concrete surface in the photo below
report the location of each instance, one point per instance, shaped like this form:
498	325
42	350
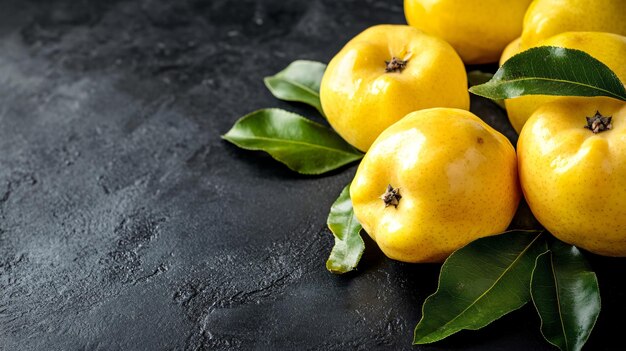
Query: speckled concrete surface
126	223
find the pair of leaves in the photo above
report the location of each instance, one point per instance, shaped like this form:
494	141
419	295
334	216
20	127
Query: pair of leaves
493	276
566	296
303	145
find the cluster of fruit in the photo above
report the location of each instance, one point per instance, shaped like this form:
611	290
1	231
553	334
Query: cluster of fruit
435	177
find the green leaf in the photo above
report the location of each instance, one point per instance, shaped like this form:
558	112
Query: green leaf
480	283
345	227
550	70
300	82
566	295
303	145
477	77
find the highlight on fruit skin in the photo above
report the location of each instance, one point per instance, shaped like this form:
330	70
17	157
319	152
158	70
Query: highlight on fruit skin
384	73
546	18
573	172
608	48
433	182
477	29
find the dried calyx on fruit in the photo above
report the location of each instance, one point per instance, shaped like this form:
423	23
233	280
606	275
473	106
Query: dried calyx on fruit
391	197
599	123
395	65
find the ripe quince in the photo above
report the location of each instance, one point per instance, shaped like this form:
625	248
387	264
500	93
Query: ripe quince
433	182
546	18
383	74
572	166
477	29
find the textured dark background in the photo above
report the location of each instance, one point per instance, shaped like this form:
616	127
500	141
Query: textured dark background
126	223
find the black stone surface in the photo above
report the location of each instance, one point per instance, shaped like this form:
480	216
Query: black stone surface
126	223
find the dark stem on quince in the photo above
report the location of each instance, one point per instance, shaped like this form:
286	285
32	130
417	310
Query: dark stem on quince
395	65
599	123
391	197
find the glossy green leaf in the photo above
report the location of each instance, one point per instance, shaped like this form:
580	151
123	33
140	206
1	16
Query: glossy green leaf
477	77
301	144
480	283
346	228
300	82
566	295
549	70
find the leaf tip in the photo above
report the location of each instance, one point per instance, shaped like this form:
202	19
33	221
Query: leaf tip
477	89
267	80
333	268
226	136
423	339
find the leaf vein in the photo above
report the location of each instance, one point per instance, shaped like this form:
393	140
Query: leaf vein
301	86
313	146
567	82
558	300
